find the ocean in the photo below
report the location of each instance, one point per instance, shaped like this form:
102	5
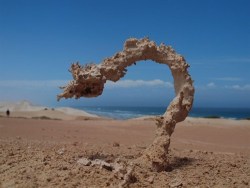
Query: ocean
123	113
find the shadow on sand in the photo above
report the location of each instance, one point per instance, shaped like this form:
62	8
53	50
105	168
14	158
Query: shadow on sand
179	162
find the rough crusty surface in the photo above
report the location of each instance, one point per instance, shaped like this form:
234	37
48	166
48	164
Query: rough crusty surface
89	81
45	164
53	153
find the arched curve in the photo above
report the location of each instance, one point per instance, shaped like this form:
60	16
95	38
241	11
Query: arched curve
89	81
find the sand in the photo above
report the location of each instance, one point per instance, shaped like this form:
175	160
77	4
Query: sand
46	152
26	109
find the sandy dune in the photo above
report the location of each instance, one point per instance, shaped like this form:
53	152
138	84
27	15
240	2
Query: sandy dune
25	109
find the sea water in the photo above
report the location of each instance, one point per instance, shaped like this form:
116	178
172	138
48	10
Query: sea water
122	112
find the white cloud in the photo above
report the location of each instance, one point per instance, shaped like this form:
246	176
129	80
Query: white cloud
57	83
32	83
229	79
139	83
208	86
239	87
211	85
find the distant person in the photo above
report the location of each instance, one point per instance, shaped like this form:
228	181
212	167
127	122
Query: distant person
8	113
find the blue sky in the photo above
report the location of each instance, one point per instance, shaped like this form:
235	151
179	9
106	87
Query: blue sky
40	39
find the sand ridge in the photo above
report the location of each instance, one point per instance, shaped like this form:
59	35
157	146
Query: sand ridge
26	109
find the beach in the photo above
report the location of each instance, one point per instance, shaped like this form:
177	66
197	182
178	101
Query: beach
129	94
43	147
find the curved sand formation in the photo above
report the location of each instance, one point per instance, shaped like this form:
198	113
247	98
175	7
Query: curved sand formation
89	81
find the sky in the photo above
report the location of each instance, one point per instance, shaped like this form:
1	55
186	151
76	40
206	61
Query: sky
40	39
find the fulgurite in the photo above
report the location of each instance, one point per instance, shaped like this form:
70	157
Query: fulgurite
89	81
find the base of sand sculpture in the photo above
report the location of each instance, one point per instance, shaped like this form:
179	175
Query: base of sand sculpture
89	81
